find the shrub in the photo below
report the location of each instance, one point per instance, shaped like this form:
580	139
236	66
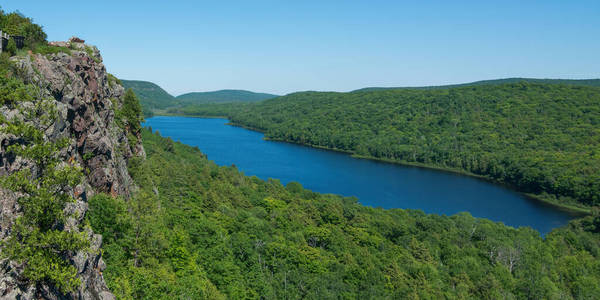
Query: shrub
11	47
48	49
37	240
113	80
16	23
13	90
90	53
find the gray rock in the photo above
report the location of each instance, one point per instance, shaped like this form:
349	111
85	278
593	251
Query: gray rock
83	98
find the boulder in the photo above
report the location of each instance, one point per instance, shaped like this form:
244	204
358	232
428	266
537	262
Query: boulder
75	39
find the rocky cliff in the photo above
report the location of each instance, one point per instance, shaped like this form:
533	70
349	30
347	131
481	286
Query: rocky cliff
86	97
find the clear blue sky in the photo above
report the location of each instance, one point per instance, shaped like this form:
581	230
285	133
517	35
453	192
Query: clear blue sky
286	46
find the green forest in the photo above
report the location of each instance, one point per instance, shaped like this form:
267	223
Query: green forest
223	96
543	139
583	82
156	100
150	95
198	230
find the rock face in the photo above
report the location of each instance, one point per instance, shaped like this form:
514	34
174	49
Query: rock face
85	98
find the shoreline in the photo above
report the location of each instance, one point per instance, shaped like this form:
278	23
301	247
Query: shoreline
164	114
566	207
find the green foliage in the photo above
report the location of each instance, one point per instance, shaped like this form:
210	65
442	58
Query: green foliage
542	139
112	80
195	227
151	96
110	217
582	82
42	253
223	96
207	110
37	239
13	91
47	50
16	24
147	112
145	259
88	156
11	47
595	226
90	53
129	115
132	111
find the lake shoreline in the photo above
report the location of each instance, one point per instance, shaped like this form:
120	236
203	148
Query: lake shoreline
566	207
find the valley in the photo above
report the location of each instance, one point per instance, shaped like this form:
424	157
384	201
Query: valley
116	189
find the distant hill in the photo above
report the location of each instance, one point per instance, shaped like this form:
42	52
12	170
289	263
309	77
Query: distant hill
585	82
223	96
151	95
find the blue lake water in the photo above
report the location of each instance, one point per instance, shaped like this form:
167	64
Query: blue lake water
375	184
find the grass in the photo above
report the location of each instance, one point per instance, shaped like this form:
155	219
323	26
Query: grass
113	80
47	49
90	52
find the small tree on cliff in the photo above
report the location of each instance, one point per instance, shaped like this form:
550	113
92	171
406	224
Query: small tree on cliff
132	111
39	240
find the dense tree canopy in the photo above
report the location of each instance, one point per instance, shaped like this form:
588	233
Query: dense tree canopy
541	138
197	230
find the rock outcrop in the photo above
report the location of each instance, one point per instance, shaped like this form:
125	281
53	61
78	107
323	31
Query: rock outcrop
85	97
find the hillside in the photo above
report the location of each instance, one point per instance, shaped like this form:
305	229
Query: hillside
223	96
209	232
540	138
582	82
151	95
153	98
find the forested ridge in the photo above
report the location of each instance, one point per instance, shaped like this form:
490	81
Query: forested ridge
582	82
543	139
154	99
198	230
223	96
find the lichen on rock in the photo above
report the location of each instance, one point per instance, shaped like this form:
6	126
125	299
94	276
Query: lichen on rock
77	88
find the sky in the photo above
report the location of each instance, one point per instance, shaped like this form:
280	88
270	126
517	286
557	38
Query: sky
287	46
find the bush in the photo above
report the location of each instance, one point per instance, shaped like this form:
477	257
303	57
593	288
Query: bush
34	34
37	240
16	23
113	80
90	53
11	47
13	90
109	217
47	49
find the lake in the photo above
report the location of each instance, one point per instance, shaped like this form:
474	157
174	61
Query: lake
374	183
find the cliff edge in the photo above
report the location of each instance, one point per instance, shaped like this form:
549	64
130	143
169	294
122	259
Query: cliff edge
76	85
